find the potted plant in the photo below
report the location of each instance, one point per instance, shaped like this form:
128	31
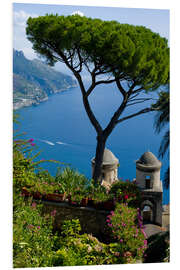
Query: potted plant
99	198
36	191
109	203
93	190
90	193
85	199
51	193
75	199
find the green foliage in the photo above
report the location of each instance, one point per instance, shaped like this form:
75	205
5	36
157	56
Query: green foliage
26	171
33	240
72	181
162	121
158	248
132	51
71	228
23	171
123	223
15	117
82	249
162	116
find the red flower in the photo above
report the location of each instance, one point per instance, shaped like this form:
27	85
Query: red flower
126	197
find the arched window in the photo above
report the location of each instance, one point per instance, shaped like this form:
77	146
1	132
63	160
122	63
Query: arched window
148	182
147	214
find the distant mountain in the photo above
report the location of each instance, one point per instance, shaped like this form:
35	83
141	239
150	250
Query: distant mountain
34	81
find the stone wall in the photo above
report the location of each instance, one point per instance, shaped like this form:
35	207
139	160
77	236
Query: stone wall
92	221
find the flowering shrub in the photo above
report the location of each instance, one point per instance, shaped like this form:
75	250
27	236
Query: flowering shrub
125	224
33	240
126	192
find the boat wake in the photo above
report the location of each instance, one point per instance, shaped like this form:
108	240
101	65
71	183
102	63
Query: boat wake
47	142
62	143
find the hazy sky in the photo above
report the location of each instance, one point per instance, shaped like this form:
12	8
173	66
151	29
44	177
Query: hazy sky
155	19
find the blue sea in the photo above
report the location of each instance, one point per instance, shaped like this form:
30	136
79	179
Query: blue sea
62	131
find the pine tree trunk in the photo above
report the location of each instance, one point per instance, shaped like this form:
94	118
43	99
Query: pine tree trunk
99	158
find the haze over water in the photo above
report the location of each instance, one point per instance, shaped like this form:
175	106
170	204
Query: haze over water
62	131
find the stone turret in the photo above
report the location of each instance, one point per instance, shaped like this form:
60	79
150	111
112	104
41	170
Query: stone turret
148	180
109	172
148	172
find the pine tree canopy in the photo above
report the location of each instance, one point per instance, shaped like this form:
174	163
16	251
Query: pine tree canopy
126	52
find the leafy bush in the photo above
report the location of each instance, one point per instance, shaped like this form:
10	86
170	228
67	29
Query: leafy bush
72	181
82	249
158	248
23	169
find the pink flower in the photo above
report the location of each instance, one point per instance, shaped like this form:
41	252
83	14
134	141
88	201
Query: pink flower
126	197
144	233
112	213
121	240
30	140
33	144
38	227
53	213
34	205
109	224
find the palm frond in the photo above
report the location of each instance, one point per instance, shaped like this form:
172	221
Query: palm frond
162	116
164	144
166	180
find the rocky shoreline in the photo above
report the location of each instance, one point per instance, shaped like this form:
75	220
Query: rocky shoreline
34	81
26	102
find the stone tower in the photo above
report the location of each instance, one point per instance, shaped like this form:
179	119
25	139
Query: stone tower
148	180
109	172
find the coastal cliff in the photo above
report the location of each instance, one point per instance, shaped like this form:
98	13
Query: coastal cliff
34	81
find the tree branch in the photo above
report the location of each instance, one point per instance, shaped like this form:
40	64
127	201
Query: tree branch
123	92
97	83
133	96
137	101
87	106
137	90
136	114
